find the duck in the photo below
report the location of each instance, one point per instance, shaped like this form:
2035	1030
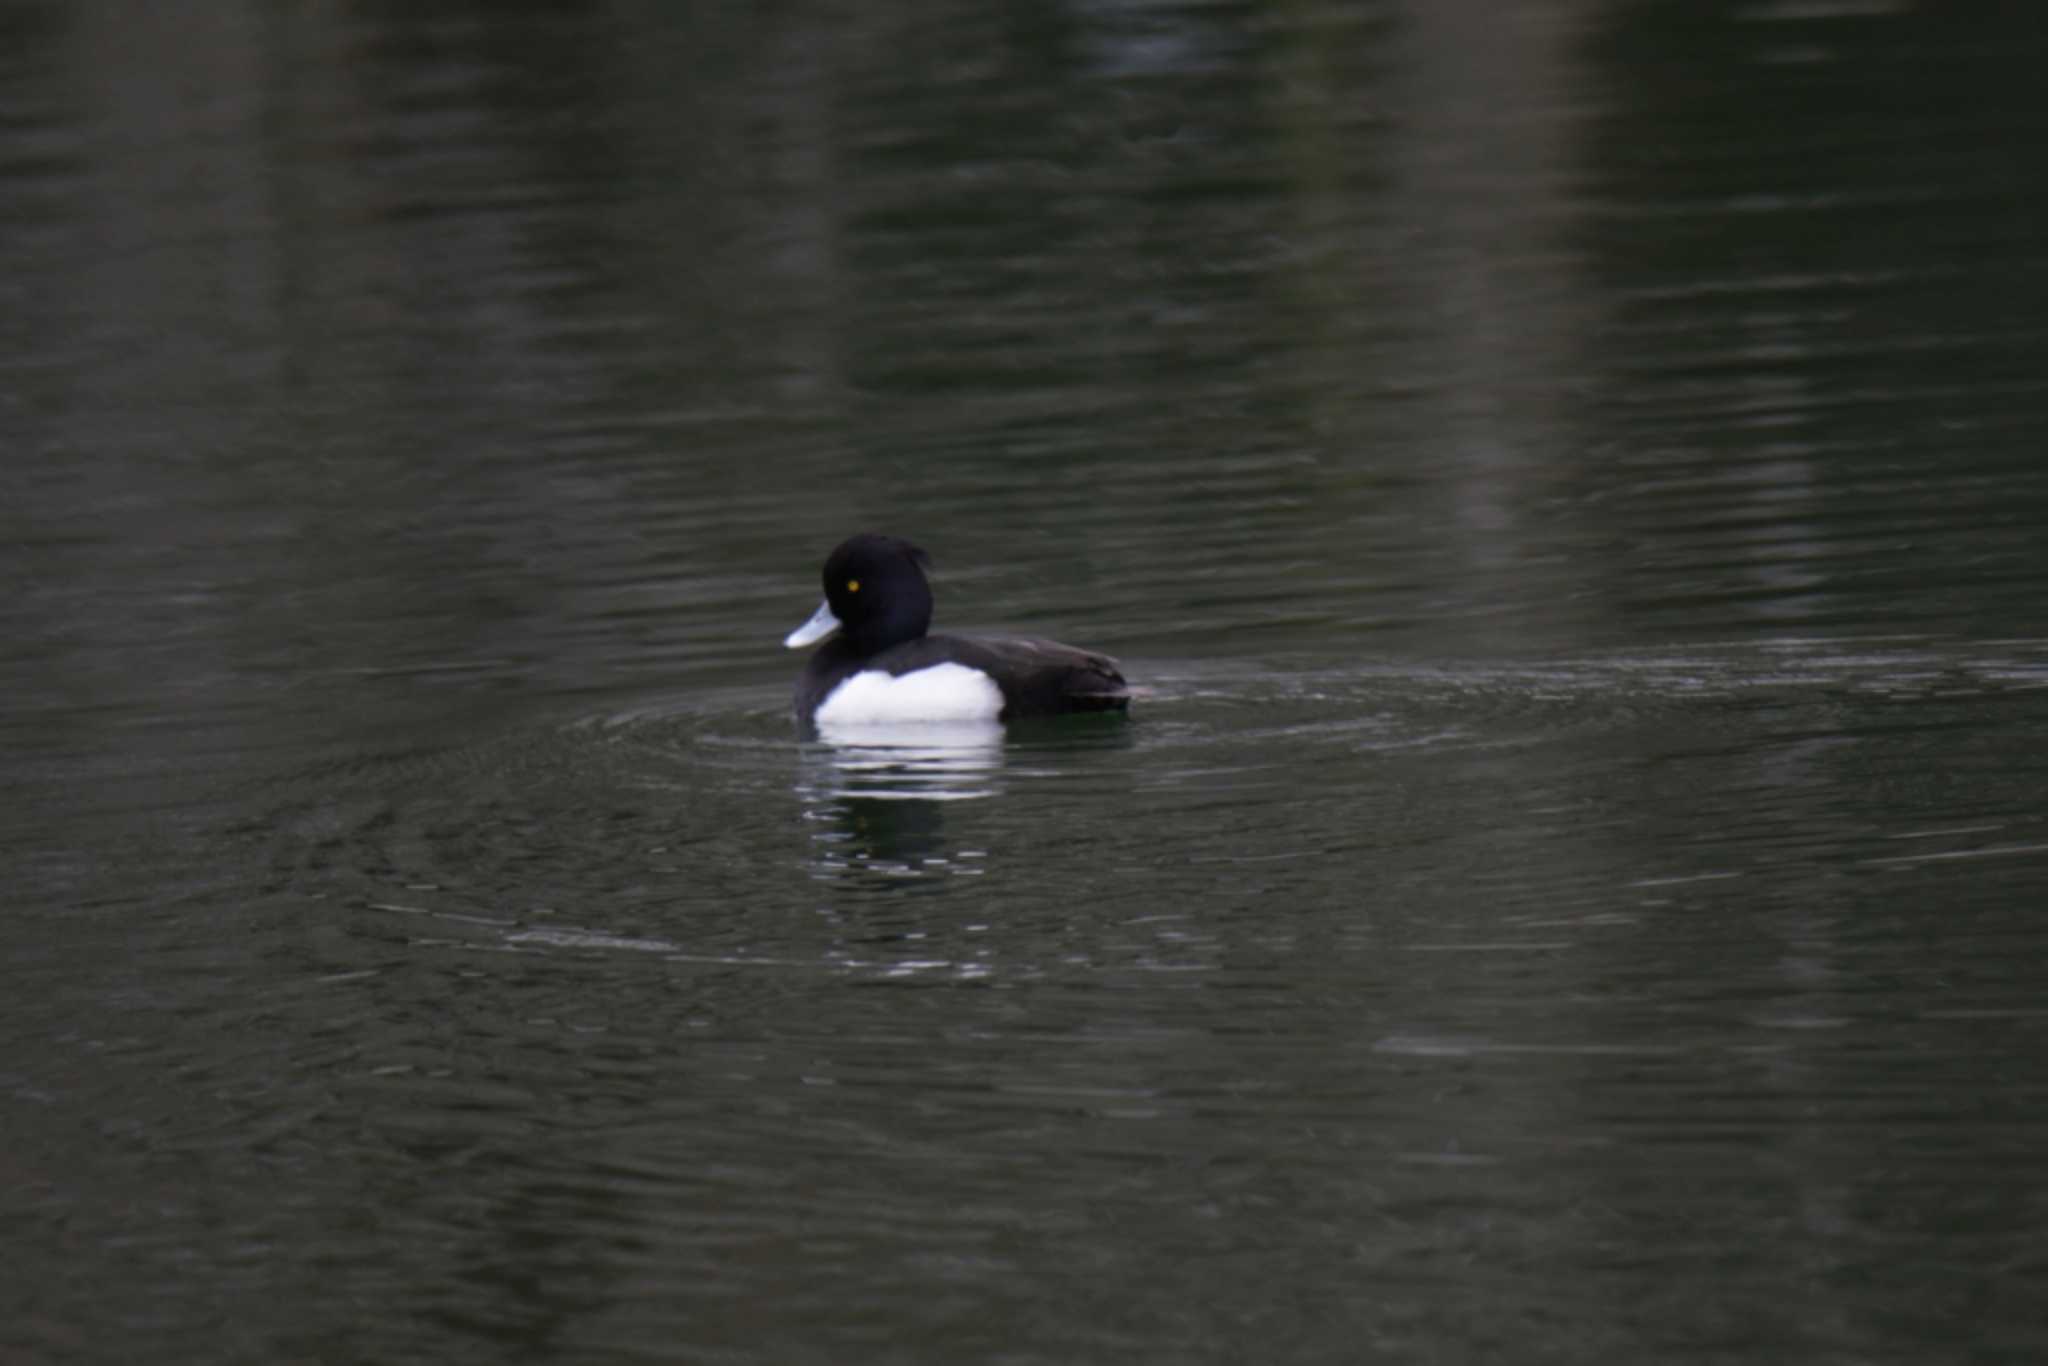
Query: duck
878	664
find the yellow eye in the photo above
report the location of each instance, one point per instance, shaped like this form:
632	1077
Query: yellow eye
853	585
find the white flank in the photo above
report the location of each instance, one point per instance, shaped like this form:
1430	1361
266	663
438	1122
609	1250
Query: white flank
942	694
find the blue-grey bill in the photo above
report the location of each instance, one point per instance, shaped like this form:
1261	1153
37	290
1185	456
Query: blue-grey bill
821	624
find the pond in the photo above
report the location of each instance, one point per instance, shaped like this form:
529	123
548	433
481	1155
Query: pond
1567	485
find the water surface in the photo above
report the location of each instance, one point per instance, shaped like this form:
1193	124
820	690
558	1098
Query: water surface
1568	482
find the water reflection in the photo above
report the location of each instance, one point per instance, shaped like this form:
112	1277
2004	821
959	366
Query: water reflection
877	794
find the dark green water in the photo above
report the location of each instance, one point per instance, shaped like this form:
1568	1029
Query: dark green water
1570	478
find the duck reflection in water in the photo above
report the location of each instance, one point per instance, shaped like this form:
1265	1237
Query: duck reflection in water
877	794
